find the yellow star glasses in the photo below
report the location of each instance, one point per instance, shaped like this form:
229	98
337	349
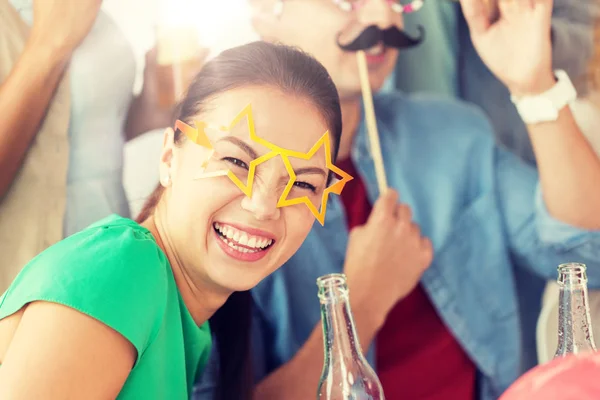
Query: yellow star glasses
198	134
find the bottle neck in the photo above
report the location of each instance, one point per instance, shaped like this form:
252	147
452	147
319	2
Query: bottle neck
339	333
574	323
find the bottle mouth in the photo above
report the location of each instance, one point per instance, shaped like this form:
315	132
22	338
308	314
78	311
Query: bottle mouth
332	287
572	274
336	279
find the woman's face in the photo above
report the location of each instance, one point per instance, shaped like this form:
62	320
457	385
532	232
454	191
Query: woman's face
219	234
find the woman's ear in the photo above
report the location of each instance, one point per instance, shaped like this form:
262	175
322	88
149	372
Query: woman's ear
166	157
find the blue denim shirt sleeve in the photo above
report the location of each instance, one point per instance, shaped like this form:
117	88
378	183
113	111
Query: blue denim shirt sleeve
537	239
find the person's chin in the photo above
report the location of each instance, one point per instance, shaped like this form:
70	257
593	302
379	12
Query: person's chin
377	83
234	279
379	74
233	275
379	77
354	88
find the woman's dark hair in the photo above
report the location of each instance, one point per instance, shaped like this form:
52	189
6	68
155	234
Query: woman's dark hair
256	64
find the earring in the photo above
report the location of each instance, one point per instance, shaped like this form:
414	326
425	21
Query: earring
166	180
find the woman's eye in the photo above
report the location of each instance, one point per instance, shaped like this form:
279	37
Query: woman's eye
305	185
236	162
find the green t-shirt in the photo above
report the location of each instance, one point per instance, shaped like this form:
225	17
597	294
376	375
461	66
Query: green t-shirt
115	272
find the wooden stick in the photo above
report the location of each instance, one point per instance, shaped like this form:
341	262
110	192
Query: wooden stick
371	122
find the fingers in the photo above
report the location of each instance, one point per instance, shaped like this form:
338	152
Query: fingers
385	206
512	9
404	223
475	13
403	212
427	250
548	4
543	9
398	218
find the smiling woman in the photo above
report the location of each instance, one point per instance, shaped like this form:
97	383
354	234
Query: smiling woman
137	296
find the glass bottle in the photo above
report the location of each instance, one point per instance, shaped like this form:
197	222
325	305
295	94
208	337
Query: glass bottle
346	374
574	324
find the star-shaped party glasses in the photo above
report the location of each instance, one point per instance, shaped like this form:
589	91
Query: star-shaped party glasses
198	135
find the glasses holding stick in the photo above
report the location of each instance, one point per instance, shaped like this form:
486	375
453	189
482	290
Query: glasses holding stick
357	38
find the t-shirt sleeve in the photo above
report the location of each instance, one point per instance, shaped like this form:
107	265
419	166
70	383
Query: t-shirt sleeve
115	274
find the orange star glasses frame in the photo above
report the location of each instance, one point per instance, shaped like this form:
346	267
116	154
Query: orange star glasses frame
198	135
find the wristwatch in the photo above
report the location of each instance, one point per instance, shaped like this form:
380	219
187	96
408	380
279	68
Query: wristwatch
546	106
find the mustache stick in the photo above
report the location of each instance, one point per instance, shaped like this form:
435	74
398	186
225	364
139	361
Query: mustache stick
371	122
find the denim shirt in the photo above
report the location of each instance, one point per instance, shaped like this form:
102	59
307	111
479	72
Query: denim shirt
480	206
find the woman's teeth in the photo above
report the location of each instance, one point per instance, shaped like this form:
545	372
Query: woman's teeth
376	50
240	240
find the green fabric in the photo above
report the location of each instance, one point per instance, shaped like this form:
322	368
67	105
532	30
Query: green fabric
115	272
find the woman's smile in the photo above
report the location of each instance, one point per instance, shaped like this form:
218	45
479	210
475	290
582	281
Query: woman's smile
243	243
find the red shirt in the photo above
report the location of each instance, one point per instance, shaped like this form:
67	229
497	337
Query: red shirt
417	357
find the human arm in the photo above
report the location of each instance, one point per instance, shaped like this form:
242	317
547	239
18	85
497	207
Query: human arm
308	362
111	273
387	256
25	94
517	49
24	97
60	353
509	191
145	113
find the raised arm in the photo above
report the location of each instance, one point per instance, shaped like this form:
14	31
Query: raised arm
26	92
517	48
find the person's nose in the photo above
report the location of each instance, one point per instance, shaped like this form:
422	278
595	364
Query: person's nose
378	13
263	203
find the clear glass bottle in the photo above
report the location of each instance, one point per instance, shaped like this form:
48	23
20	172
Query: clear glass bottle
346	373
574	324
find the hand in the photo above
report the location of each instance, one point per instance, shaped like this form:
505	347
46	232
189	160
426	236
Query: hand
385	258
61	25
516	47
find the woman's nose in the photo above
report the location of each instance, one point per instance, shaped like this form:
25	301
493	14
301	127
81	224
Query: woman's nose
263	203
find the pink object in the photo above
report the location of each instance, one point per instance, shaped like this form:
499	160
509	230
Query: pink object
569	378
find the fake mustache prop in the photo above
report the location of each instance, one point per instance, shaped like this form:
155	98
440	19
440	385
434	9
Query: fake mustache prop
390	37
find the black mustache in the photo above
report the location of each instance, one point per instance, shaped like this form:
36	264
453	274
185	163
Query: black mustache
391	37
